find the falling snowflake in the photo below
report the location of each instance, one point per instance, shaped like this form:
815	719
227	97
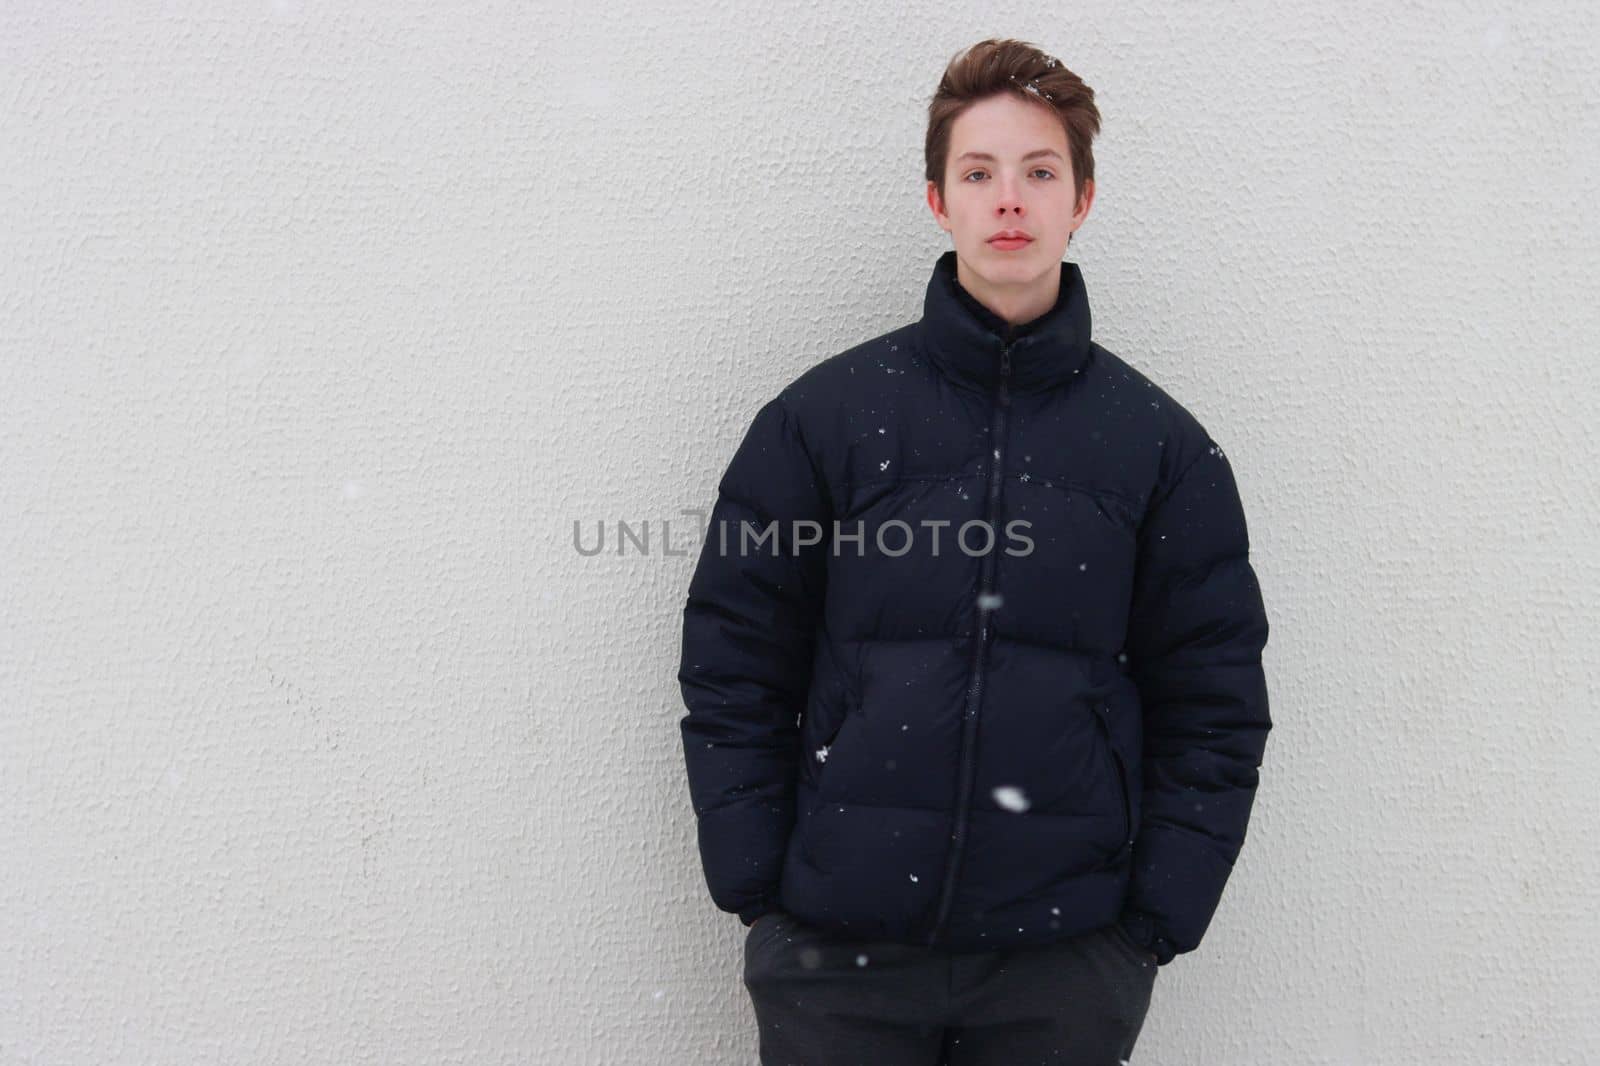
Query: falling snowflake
1011	798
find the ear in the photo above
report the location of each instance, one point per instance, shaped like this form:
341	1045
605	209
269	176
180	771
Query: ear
1084	202
936	205
1081	211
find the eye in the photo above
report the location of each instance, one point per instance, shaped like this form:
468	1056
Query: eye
1037	170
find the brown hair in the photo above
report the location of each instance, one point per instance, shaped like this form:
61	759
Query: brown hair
1010	66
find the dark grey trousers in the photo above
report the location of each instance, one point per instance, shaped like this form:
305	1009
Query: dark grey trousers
824	1000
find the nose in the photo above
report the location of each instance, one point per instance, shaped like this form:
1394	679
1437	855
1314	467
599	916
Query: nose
1010	201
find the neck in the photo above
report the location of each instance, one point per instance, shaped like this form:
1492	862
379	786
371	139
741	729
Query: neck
1016	304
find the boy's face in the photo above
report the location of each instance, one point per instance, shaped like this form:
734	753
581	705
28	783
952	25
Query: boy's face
984	196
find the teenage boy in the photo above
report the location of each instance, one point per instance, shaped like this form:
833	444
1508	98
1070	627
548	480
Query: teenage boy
972	651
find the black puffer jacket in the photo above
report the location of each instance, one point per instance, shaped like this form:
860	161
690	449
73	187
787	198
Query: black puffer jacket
904	736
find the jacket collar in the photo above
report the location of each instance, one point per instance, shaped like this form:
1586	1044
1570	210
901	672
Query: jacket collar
964	338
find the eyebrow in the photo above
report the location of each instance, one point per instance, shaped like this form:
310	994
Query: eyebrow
1031	155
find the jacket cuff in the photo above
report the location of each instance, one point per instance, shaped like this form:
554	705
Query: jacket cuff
1141	929
761	906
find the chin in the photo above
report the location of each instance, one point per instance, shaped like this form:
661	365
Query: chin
1024	261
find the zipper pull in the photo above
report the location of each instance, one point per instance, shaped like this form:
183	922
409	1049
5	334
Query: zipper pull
1005	361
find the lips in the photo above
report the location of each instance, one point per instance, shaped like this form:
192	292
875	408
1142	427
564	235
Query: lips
1010	236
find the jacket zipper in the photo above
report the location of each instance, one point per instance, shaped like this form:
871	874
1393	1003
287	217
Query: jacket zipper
969	731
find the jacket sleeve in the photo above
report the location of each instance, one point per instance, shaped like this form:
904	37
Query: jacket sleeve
1197	628
748	636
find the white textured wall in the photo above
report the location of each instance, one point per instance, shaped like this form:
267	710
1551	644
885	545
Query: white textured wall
322	323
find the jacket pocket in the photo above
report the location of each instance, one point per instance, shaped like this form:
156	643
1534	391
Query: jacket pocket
827	709
825	752
1119	773
1122	790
